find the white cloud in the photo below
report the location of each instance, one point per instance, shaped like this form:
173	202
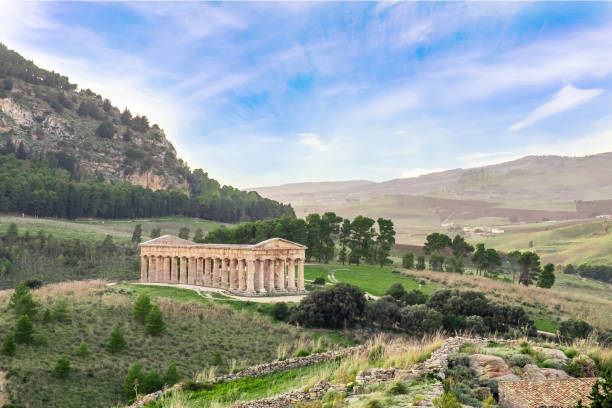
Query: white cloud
567	98
312	141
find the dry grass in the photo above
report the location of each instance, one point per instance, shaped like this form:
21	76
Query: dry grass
595	310
76	290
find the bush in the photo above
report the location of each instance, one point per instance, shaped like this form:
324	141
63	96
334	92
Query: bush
33	283
279	311
106	130
171	376
217	359
382	312
190	385
520	360
82	350
133	380
447	400
21	301
408	260
458	360
419	319
336	307
475	324
319	281
398	388
574	329
397	291
116	342
302	353
62	367
155	321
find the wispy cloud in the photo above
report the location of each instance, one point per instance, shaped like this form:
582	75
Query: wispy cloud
566	98
311	141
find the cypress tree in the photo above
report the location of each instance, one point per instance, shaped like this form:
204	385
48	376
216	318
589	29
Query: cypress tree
137	234
155	321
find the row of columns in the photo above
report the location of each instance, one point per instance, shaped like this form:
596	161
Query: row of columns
244	275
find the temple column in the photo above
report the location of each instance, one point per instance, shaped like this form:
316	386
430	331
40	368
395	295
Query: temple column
224	273
300	282
206	272
174	270
198	276
260	282
271	273
282	277
184	267
165	269
192	271
143	268
250	279
159	266
241	275
215	273
232	278
151	269
291	275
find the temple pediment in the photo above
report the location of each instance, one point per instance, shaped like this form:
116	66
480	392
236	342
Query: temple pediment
278	243
169	240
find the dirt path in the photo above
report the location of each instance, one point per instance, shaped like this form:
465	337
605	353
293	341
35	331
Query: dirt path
205	292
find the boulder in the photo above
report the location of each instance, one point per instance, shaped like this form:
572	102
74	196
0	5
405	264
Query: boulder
533	372
550	353
488	367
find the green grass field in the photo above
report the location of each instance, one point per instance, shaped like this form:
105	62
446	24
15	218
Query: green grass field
96	230
369	278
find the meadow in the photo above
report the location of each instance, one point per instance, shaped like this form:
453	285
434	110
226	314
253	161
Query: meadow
197	329
96	230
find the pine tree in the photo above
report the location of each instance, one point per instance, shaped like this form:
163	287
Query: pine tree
116	342
171	375
137	234
199	234
62	367
82	350
155	321
184	233
155	233
21	301
24	330
133	380
8	344
47	316
142	307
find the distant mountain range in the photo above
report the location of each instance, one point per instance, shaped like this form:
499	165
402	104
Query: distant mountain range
526	181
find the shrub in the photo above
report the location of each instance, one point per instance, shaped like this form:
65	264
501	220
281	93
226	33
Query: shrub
82	350
279	311
574	329
155	321
570	352
447	400
40	340
60	310
302	353
580	367
217	359
33	283
408	260
142	307
475	324
419	319
133	380
415	297
171	376
24	330
62	367
319	281
116	342
382	312
8	344
106	130
190	385
47	317
458	360
374	404
520	360
336	306
397	291
398	388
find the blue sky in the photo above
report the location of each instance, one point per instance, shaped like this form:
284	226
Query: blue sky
268	93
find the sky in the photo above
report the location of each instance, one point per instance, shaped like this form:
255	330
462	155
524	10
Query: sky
266	93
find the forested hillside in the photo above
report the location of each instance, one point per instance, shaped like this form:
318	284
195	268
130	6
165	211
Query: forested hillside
73	154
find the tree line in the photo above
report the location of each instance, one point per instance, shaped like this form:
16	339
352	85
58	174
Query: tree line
45	188
601	273
524	266
362	239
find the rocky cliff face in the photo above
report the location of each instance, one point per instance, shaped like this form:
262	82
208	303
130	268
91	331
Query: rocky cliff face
47	120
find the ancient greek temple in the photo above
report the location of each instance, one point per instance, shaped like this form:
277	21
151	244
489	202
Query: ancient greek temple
266	267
